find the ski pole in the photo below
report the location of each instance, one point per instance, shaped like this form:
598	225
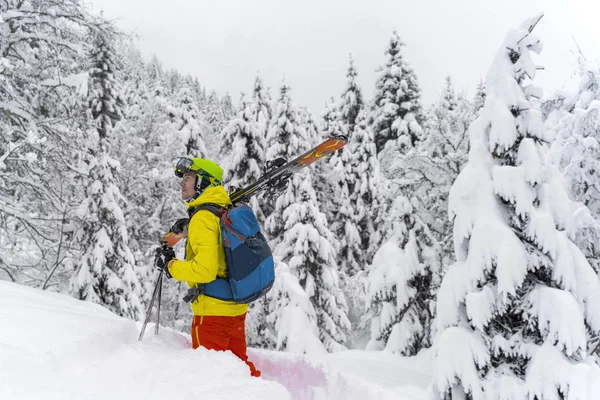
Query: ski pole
158	306
149	312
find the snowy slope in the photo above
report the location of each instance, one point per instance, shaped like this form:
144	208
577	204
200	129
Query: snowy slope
55	347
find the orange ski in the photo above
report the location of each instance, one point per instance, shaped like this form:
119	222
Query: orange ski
324	149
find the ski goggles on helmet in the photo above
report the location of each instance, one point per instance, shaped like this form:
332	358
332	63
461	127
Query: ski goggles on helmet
183	165
187	165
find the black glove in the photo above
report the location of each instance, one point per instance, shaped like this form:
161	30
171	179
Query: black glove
180	225
163	255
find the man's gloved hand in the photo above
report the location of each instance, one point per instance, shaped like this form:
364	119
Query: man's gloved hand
163	255
180	225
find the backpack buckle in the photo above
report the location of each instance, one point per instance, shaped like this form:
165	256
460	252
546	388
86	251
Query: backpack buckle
193	293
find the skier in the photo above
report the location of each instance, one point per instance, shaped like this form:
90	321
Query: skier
217	324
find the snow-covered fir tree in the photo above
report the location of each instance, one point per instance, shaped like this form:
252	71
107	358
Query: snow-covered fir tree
287	139
106	103
105	273
331	117
242	151
308	249
367	197
229	111
479	98
187	121
350	211
400	291
199	92
441	156
338	172
291	319
352	101
330	124
401	278
242	147
367	200
149	146
515	310
311	126
575	124
262	108
214	113
323	177
396	107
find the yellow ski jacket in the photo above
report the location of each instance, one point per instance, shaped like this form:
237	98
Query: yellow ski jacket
205	256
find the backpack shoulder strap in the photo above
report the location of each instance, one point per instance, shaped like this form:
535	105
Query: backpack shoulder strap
212	207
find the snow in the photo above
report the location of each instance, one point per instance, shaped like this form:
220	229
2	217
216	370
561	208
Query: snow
550	369
558	318
77	81
480	307
458	352
53	346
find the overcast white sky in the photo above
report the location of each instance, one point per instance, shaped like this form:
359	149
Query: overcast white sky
226	42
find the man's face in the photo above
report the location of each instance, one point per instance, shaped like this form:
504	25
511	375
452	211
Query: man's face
188	185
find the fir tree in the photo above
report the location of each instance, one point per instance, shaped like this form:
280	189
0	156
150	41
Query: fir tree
367	199
479	98
521	300
243	147
286	138
352	101
263	111
401	279
291	318
105	102
344	215
307	247
229	110
188	123
105	273
367	196
310	126
574	120
400	289
214	113
440	158
396	113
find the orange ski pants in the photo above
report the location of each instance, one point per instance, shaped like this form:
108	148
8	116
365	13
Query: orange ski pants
222	333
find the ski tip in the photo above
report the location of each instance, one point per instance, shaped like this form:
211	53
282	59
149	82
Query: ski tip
325	149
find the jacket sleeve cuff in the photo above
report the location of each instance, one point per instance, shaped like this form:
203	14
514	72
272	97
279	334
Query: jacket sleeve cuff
171	270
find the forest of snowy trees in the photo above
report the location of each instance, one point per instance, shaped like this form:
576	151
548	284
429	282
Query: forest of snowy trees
470	224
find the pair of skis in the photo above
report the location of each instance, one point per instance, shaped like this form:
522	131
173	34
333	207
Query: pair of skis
274	179
271	183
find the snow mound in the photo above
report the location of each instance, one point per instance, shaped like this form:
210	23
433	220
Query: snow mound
53	346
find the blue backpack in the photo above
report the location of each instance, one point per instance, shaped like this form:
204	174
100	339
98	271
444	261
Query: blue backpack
250	266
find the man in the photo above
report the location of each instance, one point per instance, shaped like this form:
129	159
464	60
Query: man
217	324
